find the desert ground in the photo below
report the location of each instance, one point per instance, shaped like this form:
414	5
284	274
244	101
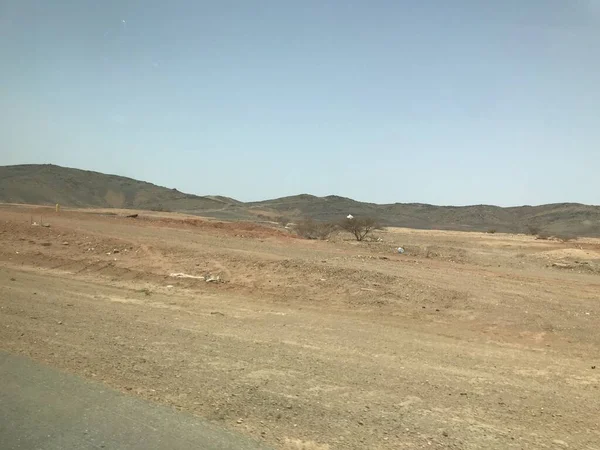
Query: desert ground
465	341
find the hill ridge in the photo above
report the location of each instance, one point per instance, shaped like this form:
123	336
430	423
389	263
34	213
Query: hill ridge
50	184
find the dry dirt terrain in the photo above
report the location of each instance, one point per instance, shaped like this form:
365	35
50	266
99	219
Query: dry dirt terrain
466	341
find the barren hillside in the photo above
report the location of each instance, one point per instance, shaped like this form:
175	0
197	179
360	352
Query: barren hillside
49	184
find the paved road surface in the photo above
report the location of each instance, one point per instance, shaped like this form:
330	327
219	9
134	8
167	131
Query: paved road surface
44	409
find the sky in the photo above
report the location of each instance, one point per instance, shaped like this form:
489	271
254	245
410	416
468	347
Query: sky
432	101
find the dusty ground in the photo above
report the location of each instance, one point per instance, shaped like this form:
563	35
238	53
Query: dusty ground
467	341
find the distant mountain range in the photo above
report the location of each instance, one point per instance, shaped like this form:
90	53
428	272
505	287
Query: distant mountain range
49	184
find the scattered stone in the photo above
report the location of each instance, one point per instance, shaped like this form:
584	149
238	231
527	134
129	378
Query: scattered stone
65	243
116	250
593	367
445	433
132	216
217	313
239	421
563	444
60	322
213	279
13	279
169	286
185	275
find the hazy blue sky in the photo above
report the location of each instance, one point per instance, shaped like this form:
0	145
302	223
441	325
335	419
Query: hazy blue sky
445	102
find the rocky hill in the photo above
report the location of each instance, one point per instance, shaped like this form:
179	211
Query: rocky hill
50	184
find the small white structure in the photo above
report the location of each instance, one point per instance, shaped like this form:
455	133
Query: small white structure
400	250
350	216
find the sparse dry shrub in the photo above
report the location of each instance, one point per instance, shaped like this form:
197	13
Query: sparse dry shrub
533	229
310	229
283	220
565	237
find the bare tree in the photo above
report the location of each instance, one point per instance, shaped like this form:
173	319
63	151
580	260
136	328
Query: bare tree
360	227
310	229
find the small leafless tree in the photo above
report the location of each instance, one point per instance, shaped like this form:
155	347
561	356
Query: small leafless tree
310	229
360	227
